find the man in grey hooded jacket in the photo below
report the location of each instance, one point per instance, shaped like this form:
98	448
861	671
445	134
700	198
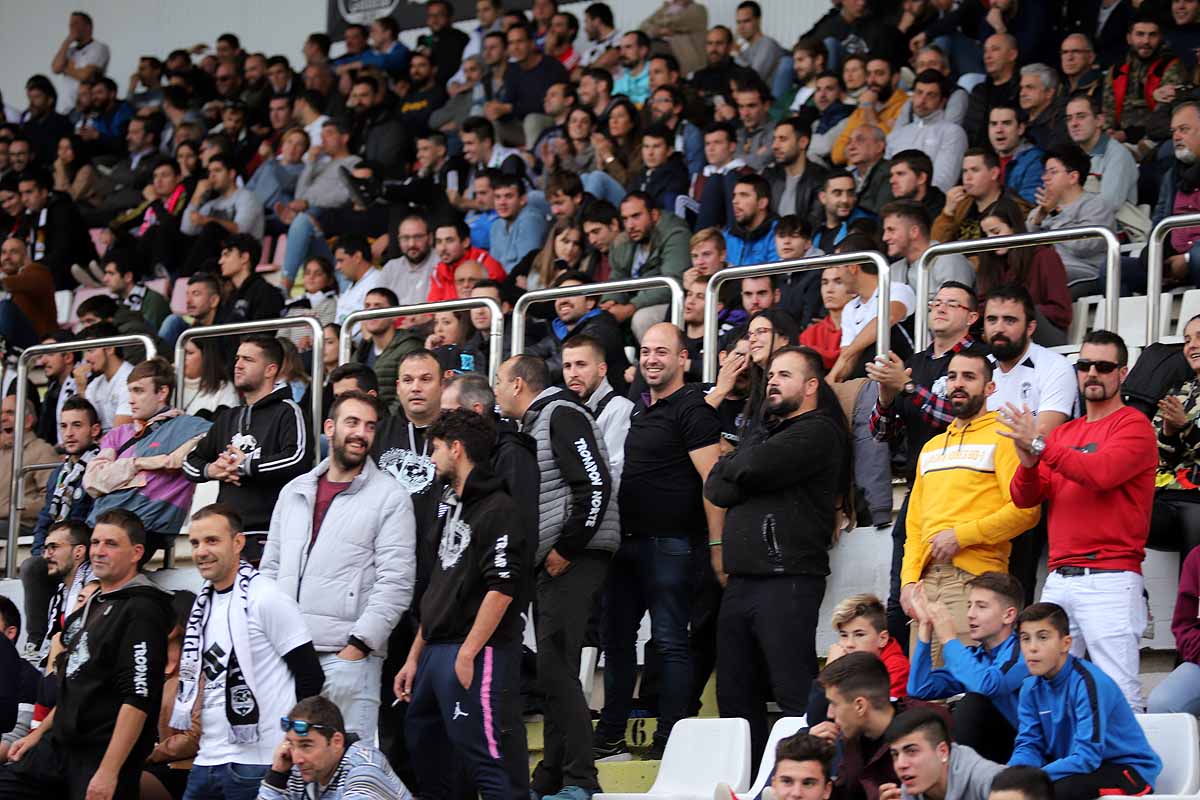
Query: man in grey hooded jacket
929	765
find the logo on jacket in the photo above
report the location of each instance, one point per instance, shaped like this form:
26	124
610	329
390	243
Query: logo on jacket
455	541
80	655
1026	391
414	471
244	442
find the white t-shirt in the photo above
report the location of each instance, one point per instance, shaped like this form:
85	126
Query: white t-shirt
111	397
276	628
92	54
860	313
354	298
1042	380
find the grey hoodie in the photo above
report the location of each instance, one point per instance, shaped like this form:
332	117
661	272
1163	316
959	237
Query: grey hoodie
970	776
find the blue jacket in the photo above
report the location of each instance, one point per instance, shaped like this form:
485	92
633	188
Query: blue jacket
67	502
511	243
1024	173
995	674
751	247
1078	720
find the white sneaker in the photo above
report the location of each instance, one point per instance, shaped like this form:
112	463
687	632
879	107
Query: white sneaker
723	792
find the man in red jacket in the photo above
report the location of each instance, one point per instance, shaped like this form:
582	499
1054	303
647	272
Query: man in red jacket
1097	475
452	241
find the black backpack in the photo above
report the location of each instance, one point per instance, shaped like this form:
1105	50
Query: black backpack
1160	368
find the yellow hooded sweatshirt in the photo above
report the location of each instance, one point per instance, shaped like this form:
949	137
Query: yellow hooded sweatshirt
963	479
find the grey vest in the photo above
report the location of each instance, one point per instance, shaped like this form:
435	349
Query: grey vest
554	496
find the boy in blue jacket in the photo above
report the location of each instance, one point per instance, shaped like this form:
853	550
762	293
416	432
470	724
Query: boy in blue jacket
1074	722
991	672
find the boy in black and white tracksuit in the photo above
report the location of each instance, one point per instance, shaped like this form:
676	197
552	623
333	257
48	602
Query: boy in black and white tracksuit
274	436
481	550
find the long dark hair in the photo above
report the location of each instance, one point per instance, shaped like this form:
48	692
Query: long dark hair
784	333
212	365
1018	260
635	132
81	160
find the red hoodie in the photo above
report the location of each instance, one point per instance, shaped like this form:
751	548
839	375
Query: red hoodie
897	666
441	283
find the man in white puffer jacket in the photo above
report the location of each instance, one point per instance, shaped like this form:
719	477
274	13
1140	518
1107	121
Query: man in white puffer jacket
354	577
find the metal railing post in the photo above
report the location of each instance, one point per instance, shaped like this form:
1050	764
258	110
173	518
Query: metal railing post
30	353
495	329
1112	259
586	290
1154	269
883	329
254	326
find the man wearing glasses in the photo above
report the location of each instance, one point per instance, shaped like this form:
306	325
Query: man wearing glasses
1096	474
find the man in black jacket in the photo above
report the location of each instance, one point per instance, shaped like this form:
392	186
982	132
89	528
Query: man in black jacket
461	679
255	448
795	181
377	135
252	297
580	315
781	512
664	175
97	738
57	235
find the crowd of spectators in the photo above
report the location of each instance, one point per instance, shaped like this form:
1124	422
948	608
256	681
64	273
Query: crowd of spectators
359	627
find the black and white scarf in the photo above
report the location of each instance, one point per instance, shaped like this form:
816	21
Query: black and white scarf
241	707
68	489
60	605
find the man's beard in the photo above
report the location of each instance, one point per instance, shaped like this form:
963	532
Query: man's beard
884	92
344	458
1104	393
781	406
1184	154
967	406
1008	350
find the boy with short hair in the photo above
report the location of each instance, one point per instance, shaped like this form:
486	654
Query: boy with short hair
1022	783
991	671
930	764
803	771
1075	722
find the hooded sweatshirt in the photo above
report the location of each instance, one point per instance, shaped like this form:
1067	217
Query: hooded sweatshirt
116	653
970	776
274	436
756	246
963	478
1076	721
480	550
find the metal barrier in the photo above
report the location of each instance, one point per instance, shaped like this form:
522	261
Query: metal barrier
1154	269
1112	257
587	290
883	329
495	332
318	370
19	471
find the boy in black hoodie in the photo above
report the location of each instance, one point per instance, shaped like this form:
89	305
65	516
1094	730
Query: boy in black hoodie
97	738
256	448
462	678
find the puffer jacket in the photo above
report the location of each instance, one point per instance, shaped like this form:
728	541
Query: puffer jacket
743	247
358	578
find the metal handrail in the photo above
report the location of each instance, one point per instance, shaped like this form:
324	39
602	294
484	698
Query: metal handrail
589	289
1154	268
254	326
1112	257
495	332
883	327
18	472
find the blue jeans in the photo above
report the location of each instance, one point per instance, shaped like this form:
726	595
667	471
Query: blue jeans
654	574
604	186
965	54
225	782
15	327
1179	693
171	329
304	241
784	77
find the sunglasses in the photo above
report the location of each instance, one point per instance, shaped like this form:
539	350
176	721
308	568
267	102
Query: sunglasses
1084	365
301	726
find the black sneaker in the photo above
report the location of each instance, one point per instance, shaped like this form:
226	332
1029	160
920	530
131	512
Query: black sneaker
610	751
655	753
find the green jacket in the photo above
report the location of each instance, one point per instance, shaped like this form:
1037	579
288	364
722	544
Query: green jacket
669	256
387	366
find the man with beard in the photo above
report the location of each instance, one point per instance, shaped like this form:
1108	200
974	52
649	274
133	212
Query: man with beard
579	315
906	233
795	181
353	578
1097	475
376	133
780	515
1030	375
66	564
712	81
409	275
655	243
865	162
751	237
1179	192
961	514
586	373
423	95
837	198
879	105
1149	75
668	104
910	176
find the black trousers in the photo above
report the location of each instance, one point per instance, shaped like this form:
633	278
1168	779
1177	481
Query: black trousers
564	604
1175	521
1026	552
38	587
766	646
53	771
979	725
391	718
702	633
897	620
1109	779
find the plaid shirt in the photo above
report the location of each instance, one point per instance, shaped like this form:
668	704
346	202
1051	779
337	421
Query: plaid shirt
886	422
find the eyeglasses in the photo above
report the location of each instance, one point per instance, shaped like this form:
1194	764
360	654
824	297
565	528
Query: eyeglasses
301	726
754	334
1084	365
950	304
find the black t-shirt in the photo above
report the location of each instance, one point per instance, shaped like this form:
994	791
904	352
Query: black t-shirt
661	492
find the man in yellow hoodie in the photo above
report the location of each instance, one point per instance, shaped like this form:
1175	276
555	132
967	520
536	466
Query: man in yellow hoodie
879	105
961	514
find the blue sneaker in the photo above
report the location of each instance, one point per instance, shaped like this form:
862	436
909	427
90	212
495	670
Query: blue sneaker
571	793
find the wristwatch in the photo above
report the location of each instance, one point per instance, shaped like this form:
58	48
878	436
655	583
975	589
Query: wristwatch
1038	445
908	389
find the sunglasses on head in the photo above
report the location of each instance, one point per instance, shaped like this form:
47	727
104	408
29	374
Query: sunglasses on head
301	726
1103	367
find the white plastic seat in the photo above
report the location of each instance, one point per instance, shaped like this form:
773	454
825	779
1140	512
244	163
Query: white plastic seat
62	305
1081	319
1176	739
1188	308
1131	322
700	754
785	727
